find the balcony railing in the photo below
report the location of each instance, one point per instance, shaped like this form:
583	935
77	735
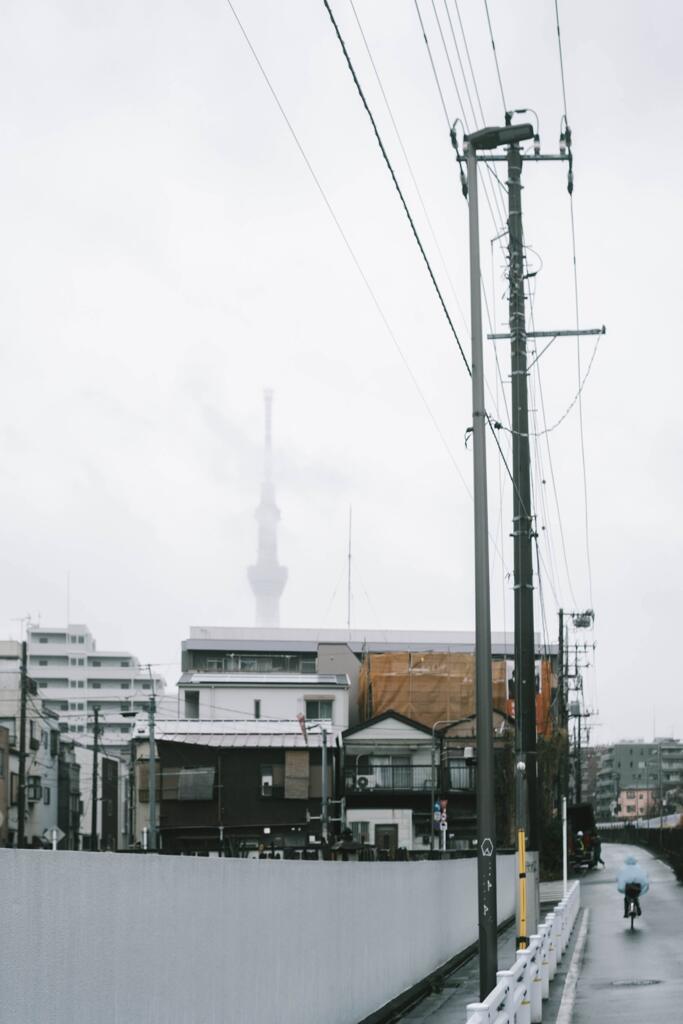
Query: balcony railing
408	778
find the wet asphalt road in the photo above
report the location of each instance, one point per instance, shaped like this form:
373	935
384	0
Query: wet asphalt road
631	976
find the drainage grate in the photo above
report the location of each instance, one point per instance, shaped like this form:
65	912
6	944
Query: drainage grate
636	983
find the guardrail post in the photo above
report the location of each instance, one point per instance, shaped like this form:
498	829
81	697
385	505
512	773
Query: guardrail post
552	950
536	983
525	966
478	1013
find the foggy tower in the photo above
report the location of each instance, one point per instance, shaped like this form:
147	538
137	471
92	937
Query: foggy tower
267	577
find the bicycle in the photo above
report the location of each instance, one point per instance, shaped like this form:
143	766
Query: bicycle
631	894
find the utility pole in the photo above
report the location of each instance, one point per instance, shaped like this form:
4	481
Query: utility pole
348	586
21	808
564	711
526	796
525	659
152	770
486	812
94	838
325	797
579	726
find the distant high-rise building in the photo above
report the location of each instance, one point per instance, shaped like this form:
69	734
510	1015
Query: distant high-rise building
267	577
73	678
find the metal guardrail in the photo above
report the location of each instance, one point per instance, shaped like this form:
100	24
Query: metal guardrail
518	996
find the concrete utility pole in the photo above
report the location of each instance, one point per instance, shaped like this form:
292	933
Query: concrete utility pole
564	710
523	529
21	807
94	838
486	811
324	828
152	771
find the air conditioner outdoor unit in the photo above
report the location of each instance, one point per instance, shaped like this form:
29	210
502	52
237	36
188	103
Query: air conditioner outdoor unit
364	782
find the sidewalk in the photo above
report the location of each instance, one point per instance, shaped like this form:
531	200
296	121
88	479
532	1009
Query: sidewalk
462	987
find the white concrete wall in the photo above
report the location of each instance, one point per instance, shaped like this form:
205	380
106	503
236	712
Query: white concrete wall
280	702
118	938
386	816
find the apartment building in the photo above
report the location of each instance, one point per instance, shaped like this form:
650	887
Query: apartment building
634	776
74	677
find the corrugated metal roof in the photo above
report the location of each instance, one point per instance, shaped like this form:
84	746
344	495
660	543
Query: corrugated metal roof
228	733
287	741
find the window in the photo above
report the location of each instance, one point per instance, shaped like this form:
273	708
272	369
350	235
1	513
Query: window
42	661
80	661
72	661
11	726
192	704
46	794
257	709
81	639
54	743
2	764
33	788
360	831
125	685
273	780
42	639
95	686
630	793
14	788
146	686
319	710
96	663
125	664
72	639
72	682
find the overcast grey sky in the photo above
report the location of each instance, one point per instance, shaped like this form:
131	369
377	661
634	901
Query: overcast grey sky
165	255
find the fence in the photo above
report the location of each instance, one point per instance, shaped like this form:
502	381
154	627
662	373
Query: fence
665	842
410	778
117	938
518	996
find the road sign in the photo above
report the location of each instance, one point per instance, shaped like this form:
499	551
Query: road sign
487	847
53	835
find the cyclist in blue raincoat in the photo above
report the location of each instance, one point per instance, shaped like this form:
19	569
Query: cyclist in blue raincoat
632	874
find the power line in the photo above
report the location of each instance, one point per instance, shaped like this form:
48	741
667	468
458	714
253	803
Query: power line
500	233
408	162
352	254
390	168
469	61
496	198
576	310
559	47
495	56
